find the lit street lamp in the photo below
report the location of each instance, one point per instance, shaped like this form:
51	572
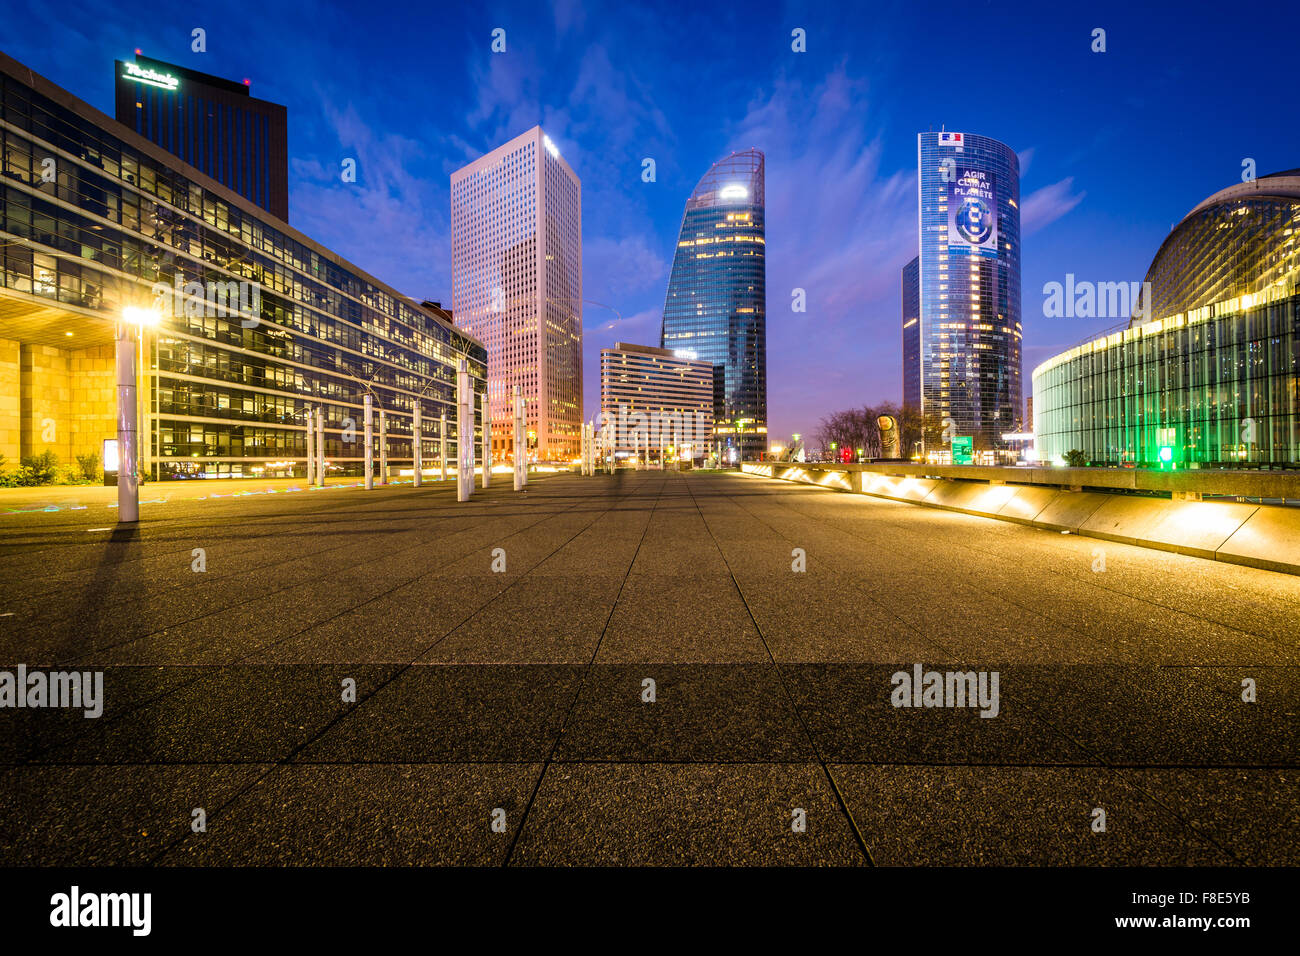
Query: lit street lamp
129	332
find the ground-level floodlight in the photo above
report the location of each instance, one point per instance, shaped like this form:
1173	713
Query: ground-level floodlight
464	434
487	443
370	443
129	332
417	439
521	475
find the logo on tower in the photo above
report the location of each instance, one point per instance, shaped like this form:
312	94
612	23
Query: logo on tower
972	210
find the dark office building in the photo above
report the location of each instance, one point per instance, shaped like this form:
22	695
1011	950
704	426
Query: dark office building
912	334
215	125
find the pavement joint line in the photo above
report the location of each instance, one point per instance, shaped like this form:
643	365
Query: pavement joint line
988	593
1039	717
288	759
582	681
794	704
676	761
269	564
261	595
1069	577
669	503
886	609
1034	711
291	524
1102	762
235	662
268	593
196	524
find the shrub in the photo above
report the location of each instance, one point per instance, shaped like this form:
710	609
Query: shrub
1076	458
89	465
39	469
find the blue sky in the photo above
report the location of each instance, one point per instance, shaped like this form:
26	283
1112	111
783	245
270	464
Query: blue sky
1115	147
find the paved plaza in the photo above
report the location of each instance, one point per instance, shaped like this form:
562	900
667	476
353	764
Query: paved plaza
630	669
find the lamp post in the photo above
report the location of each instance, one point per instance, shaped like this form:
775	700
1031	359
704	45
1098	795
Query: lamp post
417	434
521	476
464	434
370	440
487	444
442	447
320	446
129	334
311	447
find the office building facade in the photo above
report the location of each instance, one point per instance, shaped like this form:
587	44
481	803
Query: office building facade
258	323
716	306
968	286
657	400
912	334
1210	376
213	124
516	274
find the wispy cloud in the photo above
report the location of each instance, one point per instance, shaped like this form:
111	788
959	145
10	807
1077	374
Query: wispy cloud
839	226
1048	204
405	239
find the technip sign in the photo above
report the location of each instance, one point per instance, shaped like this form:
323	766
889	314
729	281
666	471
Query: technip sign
143	74
973	210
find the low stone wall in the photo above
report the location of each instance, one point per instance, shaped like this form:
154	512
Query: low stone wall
1260	536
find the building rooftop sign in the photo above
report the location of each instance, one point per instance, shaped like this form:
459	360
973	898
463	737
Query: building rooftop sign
143	74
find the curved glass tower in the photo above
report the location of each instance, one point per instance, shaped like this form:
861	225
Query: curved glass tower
716	307
969	290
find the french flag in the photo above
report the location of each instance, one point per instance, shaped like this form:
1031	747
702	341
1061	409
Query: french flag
950	139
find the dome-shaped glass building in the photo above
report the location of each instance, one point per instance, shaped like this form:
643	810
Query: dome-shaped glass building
1208	375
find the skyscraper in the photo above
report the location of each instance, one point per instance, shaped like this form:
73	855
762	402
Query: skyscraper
716	307
969	289
516	286
912	334
215	125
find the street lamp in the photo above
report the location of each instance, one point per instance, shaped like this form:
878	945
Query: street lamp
129	333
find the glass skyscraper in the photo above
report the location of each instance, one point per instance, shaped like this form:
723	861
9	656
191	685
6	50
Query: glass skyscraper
716	307
1210	375
969	289
516	281
912	334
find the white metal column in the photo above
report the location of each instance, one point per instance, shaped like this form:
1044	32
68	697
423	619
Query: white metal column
417	431
520	473
370	443
464	434
128	480
320	445
487	444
